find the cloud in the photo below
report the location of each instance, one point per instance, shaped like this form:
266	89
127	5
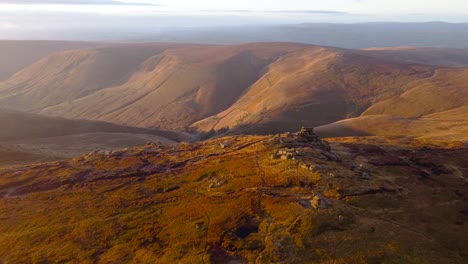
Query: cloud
317	12
72	2
227	11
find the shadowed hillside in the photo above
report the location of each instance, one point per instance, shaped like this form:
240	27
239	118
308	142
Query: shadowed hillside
19	126
30	138
12	155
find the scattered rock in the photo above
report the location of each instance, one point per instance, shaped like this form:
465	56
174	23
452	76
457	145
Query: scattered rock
199	225
225	144
305	203
331	156
361	172
274	156
284	155
365	176
287	140
217	183
311	167
319	202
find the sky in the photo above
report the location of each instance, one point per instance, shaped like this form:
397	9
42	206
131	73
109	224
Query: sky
20	17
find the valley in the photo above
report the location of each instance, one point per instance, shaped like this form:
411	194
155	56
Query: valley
253	88
249	153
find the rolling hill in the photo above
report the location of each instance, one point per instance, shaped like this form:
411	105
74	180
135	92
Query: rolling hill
447	89
248	88
316	87
17	54
439	128
69	75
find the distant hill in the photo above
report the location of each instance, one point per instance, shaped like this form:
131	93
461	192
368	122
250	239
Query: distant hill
350	36
423	55
247	88
17	54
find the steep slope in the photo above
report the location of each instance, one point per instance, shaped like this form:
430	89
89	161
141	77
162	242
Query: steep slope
242	203
170	88
69	75
316	86
179	86
17	54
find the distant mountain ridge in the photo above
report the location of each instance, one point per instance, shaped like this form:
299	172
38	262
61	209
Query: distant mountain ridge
350	36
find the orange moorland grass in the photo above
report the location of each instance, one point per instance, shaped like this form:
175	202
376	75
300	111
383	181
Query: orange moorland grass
207	202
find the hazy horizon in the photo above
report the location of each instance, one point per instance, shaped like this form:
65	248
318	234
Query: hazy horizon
48	19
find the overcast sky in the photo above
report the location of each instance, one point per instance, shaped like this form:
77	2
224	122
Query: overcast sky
23	16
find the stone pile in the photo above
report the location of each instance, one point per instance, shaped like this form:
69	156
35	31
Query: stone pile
305	137
307	134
